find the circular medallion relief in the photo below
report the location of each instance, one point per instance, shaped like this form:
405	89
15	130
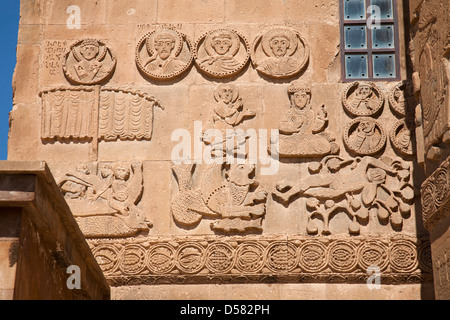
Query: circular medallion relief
280	53
362	99
163	54
364	136
400	137
88	61
221	53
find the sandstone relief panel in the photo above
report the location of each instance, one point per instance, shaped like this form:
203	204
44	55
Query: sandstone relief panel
356	187
104	198
342	197
227	194
302	129
89	61
174	260
430	57
364	136
221	53
229	111
362	99
402	137
96	114
280	53
164	54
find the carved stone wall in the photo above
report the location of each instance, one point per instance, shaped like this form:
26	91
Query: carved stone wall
328	186
430	54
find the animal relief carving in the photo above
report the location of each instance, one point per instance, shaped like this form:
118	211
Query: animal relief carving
227	194
354	187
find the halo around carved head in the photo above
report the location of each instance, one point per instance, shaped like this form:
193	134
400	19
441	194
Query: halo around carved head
222	33
297	86
281	60
165	33
76	47
362	106
177	62
88	71
222	85
226	60
279	32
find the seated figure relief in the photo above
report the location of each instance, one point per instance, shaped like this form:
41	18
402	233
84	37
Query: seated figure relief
105	204
163	54
89	61
301	128
221	53
280	53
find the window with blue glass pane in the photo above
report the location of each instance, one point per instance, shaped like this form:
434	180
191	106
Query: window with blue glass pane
383	36
355	37
385	8
383	65
369	52
355	9
356	66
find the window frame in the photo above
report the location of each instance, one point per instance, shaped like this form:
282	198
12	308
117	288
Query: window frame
370	50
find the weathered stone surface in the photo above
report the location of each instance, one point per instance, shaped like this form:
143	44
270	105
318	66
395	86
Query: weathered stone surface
331	193
430	55
40	239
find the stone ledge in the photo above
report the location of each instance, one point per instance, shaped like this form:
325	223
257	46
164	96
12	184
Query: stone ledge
48	221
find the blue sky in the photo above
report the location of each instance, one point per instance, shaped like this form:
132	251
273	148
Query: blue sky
9	24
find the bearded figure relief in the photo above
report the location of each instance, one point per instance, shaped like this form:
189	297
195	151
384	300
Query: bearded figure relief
163	54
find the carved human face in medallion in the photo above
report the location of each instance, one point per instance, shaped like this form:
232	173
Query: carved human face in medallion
222	44
364	92
279	46
300	99
89	51
164	46
367	126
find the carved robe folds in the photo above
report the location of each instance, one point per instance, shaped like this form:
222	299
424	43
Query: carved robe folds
68	113
297	138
